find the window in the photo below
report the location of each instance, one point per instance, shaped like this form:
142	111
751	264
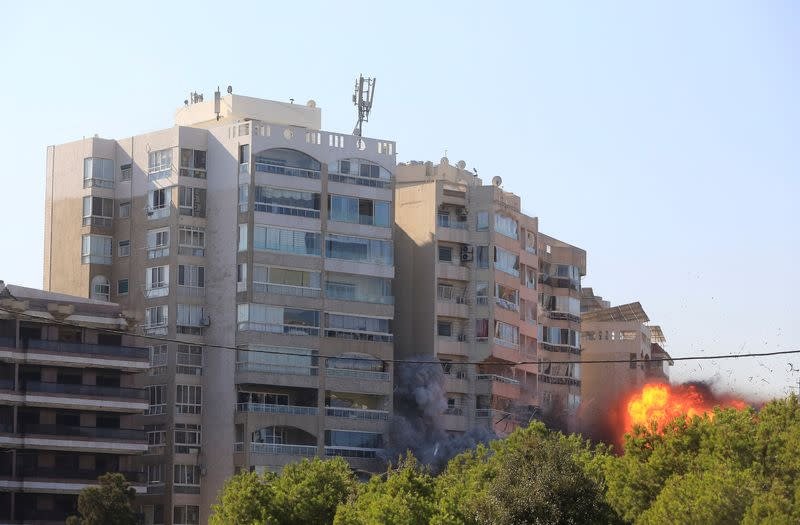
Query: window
191	241
506	297
157	281
98	173
481	292
444	328
187	475
506	261
446	253
632	364
186	515
188	399
481	329
192	201
158	243
190	319
362	173
125	172
154	474
277	319
191	276
506	226
159	164
359	249
96	249
156	316
122	287
244	197
358	327
241	277
282	161
158	360
158	203
506	334
101	289
483	256
244	154
286	281
98	211
286	241
158	399
124	210
189	360
193	163
263	398
482	221
530	277
187	438
287	202
359	211
351	439
359	288
156	437
242	241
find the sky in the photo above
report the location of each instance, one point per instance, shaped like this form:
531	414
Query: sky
663	138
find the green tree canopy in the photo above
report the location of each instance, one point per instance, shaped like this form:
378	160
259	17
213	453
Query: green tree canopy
110	503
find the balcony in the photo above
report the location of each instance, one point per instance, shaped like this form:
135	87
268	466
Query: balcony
502	386
287	289
157	290
506	344
277	169
268	368
69	474
367	375
563	316
191	291
358	335
88	349
288	329
496	416
103	222
277	374
454	272
349	293
553	347
283	449
85	390
353	452
120	434
361	181
265	408
357	413
158	212
457	345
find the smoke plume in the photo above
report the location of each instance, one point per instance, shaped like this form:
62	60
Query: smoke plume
420	400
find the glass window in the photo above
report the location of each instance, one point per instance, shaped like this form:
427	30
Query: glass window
187	475
346	438
189	360
444	328
188	399
186	515
187	438
192	201
506	261
124	210
158	399
482	328
287	202
96	249
159	164
193	163
101	289
98	173
482	221
125	172
506	226
358	327
287	241
242	237
97	211
124	248
191	275
122	287
446	253
483	256
359	249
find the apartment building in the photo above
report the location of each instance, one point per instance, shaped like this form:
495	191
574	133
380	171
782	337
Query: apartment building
478	283
68	404
616	333
257	253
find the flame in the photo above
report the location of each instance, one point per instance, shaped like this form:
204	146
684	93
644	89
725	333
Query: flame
661	403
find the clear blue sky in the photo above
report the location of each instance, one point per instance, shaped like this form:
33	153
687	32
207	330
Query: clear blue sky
665	140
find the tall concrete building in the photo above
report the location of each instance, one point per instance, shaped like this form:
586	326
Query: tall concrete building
616	333
258	252
478	283
68	404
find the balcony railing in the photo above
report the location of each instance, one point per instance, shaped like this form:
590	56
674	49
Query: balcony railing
353	452
566	349
497	379
93	220
191	291
357	374
84	390
238	447
451	294
357	413
357	335
90	349
508	305
490	413
286	210
124	434
360	181
350	293
265	408
289	450
269	368
194	251
288	329
158	212
267	167
564	316
482	299
286	289
73	474
507	344
446	222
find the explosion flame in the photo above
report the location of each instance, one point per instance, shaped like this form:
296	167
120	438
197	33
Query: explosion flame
661	403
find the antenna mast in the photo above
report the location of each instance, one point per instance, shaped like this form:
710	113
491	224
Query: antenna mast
362	99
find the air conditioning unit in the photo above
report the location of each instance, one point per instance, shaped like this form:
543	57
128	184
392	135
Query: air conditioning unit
466	253
205	321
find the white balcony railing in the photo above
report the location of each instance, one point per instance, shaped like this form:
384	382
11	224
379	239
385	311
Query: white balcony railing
266	408
497	379
289	450
357	413
270	368
286	289
507	344
369	375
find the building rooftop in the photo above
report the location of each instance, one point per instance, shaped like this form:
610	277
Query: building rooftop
238	107
624	312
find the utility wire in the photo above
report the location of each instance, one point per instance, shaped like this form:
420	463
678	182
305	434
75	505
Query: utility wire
399	361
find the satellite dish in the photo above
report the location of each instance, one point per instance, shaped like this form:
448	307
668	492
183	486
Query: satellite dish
311	103
230	90
497	181
461	164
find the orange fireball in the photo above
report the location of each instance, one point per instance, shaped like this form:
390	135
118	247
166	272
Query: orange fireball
661	403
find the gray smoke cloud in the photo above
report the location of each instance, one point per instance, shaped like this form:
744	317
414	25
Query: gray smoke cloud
420	400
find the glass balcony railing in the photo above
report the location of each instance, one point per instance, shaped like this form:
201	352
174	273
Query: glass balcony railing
368	375
270	368
85	390
287	289
265	408
351	293
281	448
89	349
277	169
25	471
353	452
357	413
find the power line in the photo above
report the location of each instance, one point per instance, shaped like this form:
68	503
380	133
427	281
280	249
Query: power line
403	361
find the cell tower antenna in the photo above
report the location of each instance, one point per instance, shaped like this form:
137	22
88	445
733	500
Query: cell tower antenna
362	99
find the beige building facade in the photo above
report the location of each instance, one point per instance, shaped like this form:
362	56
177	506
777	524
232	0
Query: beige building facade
69	406
257	253
474	282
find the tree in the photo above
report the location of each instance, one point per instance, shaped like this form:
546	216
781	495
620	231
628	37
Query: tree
402	496
245	499
110	503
